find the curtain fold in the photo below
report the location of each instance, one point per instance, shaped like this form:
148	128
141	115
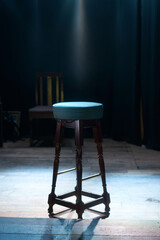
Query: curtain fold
136	82
126	81
150	72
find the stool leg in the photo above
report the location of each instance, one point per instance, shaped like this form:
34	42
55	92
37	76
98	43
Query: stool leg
56	165
98	139
79	143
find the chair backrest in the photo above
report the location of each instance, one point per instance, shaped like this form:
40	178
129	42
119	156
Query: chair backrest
45	93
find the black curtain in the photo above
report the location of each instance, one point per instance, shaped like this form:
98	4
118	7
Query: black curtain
125	123
108	50
150	71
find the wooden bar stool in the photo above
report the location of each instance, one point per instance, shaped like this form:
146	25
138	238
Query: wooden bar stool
79	115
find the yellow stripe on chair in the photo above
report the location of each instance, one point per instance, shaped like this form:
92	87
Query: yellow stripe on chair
49	90
62	91
36	92
57	89
41	91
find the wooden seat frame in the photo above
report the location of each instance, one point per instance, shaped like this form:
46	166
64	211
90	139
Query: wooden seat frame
79	206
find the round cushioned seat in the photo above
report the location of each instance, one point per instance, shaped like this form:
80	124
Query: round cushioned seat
78	110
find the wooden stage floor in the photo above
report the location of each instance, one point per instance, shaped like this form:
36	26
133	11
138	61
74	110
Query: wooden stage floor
133	181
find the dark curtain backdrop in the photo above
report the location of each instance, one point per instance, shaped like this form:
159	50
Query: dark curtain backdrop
108	51
150	71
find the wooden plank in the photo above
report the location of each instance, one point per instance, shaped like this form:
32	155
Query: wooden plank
69	237
106	229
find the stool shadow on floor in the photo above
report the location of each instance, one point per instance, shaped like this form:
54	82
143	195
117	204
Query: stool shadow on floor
68	230
86	234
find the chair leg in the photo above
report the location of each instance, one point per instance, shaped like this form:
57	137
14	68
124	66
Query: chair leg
52	195
98	139
79	143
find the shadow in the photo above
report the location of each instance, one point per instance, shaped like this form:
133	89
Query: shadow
44	143
64	229
55	230
86	234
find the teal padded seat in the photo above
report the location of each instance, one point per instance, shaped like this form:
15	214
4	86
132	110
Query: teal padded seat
78	110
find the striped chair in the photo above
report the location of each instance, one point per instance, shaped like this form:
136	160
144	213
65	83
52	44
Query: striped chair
45	95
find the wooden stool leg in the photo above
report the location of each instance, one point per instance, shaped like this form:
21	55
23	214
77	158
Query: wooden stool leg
98	139
56	165
79	143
